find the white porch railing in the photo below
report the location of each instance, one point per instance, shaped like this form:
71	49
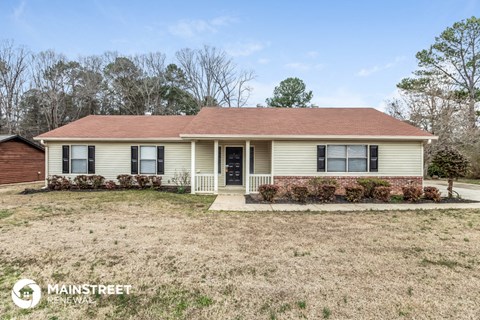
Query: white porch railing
204	182
257	180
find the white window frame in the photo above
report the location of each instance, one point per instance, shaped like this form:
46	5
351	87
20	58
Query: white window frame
85	159
346	159
140	160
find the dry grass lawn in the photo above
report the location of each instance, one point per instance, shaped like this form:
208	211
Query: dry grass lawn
187	263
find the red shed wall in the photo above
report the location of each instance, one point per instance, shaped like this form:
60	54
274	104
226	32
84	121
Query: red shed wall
20	162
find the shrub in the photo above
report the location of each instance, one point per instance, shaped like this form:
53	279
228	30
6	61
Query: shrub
354	193
318	181
432	193
369	184
288	192
326	192
110	185
155	181
452	164
96	181
82	181
125	180
58	183
181	180
382	193
323	188
142	181
412	193
435	170
268	191
300	193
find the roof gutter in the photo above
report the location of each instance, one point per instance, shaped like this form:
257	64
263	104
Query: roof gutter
39	138
305	137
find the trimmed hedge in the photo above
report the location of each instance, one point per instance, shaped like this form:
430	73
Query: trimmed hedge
412	193
268	191
432	193
354	193
369	184
382	193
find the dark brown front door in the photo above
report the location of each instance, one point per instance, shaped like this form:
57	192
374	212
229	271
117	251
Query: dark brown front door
234	166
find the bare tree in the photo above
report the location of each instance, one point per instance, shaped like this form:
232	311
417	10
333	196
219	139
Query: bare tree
56	79
152	66
14	63
213	78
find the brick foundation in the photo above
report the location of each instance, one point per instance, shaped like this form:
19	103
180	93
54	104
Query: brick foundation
396	182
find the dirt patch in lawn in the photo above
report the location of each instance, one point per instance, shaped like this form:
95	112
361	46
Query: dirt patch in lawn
187	263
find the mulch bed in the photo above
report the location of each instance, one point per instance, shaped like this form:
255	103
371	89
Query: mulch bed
171	189
257	199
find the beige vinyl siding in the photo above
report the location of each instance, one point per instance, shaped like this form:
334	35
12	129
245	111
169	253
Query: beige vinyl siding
204	157
262	157
112	159
299	158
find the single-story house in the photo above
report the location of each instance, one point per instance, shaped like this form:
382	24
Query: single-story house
242	147
21	160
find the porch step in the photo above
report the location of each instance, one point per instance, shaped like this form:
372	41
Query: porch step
232	191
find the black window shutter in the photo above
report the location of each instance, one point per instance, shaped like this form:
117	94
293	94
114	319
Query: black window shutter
160	160
321	158
219	160
373	158
252	161
65	159
91	159
134	160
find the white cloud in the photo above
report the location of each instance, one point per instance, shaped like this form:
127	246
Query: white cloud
313	54
263	61
302	67
187	28
243	49
365	72
19	10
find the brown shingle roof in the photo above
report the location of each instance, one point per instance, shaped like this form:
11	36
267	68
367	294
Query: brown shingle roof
294	121
241	121
121	127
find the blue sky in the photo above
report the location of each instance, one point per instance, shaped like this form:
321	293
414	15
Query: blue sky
349	53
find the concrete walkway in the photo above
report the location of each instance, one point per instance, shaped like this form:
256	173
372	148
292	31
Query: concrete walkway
236	202
465	190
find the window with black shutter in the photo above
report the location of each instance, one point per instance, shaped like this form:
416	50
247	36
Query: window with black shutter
321	158
65	159
134	160
160	160
373	158
91	159
252	160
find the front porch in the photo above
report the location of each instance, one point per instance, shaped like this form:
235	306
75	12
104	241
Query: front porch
230	166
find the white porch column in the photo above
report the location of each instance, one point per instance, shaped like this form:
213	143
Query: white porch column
192	169
215	167
247	167
272	153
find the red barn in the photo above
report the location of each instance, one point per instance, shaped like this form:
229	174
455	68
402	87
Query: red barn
20	160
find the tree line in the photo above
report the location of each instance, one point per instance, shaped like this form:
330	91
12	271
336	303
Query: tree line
42	91
442	96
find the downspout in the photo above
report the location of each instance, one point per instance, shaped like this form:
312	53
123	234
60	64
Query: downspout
45	145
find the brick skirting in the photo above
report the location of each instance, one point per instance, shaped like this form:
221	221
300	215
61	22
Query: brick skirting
396	182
